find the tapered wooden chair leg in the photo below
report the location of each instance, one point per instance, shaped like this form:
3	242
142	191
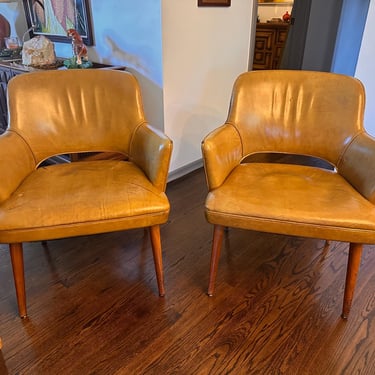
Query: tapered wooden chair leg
16	254
215	255
158	258
354	261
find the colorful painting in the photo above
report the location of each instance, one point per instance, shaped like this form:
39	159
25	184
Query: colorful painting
53	18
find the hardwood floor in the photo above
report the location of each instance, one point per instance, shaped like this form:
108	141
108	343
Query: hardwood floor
94	308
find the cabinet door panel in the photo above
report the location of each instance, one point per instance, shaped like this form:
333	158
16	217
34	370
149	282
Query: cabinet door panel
269	45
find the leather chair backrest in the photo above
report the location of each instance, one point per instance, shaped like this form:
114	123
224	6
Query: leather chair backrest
309	113
72	111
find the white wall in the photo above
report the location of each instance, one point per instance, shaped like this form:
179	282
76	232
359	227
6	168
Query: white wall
204	50
365	68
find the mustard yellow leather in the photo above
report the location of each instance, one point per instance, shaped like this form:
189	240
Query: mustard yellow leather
104	194
16	162
151	150
358	165
75	111
293	199
60	112
219	156
288	112
304	113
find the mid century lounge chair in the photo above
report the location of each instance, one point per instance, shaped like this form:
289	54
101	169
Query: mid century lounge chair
314	114
79	111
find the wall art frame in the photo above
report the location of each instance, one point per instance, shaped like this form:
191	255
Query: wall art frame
214	3
52	18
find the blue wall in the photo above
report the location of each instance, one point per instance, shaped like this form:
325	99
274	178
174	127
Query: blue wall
126	32
349	36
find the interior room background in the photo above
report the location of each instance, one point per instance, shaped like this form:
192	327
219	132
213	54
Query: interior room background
186	59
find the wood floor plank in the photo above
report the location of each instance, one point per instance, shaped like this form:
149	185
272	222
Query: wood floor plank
94	307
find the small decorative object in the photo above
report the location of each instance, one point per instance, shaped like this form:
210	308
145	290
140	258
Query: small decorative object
7	54
12	50
79	59
72	64
38	52
12	42
286	17
79	48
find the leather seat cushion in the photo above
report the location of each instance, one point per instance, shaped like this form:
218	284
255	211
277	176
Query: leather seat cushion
292	199
80	193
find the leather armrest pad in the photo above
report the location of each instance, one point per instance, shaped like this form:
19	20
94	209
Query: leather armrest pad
357	165
151	150
222	151
16	162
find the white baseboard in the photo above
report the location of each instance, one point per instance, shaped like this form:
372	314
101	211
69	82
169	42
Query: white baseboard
179	172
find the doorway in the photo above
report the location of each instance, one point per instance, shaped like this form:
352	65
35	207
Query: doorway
324	35
271	31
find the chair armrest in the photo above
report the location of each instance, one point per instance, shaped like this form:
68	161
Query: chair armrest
151	150
357	165
16	162
222	151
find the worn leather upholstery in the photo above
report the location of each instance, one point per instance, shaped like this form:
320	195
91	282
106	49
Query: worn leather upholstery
63	112
301	113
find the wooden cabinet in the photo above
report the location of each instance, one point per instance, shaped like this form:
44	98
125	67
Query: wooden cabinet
6	73
270	39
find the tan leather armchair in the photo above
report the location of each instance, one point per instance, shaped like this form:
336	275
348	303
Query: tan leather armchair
68	112
302	113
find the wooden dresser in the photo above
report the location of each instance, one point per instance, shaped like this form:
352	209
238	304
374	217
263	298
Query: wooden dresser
6	73
270	39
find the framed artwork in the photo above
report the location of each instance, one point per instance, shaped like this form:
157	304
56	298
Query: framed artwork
52	18
214	3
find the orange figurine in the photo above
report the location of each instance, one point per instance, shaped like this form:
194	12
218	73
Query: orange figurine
79	48
286	17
